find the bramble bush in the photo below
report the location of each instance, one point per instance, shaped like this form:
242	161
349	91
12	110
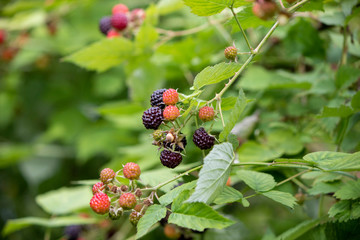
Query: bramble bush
190	119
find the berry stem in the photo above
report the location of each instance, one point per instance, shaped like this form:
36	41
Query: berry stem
242	30
172	179
254	52
220	111
293	177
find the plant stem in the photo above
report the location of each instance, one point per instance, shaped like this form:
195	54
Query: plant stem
345	46
172	179
321	203
242	30
293	177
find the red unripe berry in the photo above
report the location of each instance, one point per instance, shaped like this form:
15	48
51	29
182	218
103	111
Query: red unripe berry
171	112
119	21
230	53
131	171
206	113
265	9
137	14
170	97
2	36
107	175
100	203
171	231
120	8
127	201
98	187
112	33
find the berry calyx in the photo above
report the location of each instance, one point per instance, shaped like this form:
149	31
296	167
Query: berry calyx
107	175
202	139
115	213
120	8
171	231
170	96
156	98
105	25
170	159
171	112
100	203
98	187
152	118
230	53
119	21
135	217
127	201
131	171
265	9
206	113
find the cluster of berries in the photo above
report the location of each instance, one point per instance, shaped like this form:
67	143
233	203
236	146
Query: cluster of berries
122	22
109	198
163	110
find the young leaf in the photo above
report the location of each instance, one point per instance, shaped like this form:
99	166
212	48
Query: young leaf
198	216
260	182
215	74
350	190
153	214
253	151
355	101
214	174
282	197
65	200
345	210
170	196
208	8
234	116
20	223
299	230
348	162
102	55
228	195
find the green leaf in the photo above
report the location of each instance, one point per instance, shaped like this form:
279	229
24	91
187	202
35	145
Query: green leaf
252	151
260	182
299	230
102	55
345	210
228	103
170	196
355	101
198	216
282	197
324	156
228	195
178	201
350	190
215	74
14	225
234	116
153	214
342	111
284	141
214	173
146	38
345	76
322	176
65	200
349	163
209	7
324	188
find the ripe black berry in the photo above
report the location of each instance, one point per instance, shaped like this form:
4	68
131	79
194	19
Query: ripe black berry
170	159
152	118
105	25
202	139
156	99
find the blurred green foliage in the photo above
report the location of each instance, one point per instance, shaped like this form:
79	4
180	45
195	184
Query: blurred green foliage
71	103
